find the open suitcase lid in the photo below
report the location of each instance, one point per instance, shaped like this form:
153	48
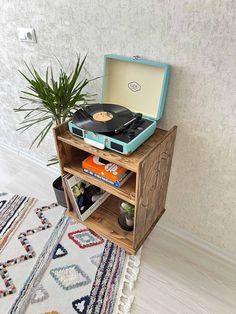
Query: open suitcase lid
139	85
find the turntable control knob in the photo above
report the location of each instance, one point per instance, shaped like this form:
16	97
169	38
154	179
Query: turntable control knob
131	134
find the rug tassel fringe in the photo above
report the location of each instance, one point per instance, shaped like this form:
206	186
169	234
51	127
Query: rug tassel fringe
125	298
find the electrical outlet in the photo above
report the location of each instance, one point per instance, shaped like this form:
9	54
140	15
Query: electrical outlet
26	34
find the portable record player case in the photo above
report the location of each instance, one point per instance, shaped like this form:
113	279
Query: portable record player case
137	84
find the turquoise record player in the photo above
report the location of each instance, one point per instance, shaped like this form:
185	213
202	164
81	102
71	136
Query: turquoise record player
140	86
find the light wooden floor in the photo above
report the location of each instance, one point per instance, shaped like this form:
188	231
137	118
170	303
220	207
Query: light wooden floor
175	277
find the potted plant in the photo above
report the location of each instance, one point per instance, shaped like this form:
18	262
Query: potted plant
50	101
126	218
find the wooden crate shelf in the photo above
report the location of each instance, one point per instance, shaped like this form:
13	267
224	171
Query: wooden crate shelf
146	188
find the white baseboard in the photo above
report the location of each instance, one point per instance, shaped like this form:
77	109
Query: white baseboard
173	230
52	169
195	241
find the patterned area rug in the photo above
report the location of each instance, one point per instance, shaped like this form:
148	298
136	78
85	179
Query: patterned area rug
52	264
12	210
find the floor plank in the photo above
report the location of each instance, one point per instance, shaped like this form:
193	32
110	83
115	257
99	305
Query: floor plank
182	279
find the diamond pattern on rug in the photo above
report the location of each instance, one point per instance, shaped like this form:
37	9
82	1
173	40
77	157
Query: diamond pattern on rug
70	277
39	295
22	237
60	251
96	259
10	287
85	238
80	305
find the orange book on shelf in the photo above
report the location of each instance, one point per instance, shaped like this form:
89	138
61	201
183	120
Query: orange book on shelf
103	167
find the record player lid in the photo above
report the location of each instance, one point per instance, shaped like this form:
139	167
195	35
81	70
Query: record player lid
140	85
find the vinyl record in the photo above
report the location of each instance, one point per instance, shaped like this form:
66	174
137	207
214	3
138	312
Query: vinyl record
102	118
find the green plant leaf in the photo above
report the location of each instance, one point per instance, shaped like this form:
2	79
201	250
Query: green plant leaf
51	100
40	137
52	161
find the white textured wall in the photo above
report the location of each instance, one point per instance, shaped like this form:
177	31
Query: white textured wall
197	38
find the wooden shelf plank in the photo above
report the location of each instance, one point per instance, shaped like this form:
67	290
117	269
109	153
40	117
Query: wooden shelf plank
104	221
129	162
125	192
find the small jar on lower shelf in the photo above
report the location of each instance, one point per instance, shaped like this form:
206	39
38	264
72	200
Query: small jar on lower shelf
126	218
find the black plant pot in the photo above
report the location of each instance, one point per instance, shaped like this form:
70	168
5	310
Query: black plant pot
123	223
59	192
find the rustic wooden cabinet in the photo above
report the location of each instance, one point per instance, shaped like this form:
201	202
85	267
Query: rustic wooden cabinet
146	188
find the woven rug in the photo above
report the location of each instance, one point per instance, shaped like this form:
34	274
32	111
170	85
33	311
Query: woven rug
51	264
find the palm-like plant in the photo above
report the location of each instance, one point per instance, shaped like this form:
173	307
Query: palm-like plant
49	101
128	209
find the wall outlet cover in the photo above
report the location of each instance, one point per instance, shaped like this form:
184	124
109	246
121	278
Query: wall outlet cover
26	34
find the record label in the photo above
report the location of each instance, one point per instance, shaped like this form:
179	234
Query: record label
102	116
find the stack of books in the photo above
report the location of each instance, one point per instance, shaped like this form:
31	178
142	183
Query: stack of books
105	170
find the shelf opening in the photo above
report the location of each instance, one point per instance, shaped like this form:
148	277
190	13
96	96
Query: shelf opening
73	165
104	221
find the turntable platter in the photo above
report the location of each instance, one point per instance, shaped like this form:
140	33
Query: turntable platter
102	118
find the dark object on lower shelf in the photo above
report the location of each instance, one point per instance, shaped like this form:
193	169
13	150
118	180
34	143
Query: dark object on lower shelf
59	192
123	224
